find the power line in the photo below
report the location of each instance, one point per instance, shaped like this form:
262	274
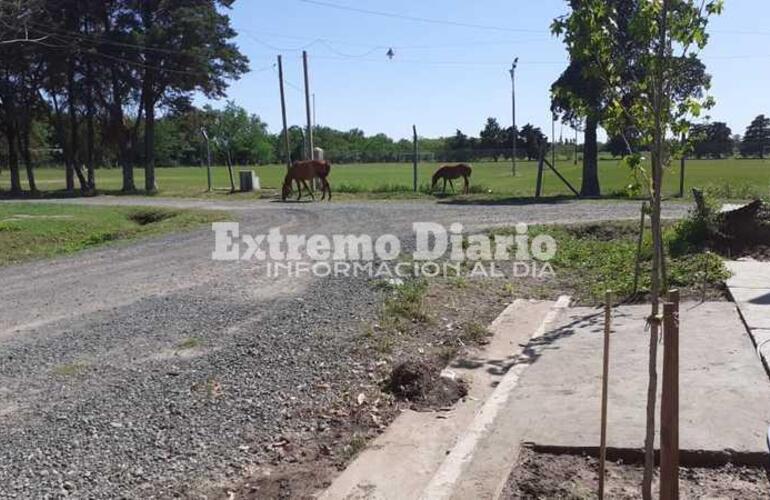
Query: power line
417	19
352	43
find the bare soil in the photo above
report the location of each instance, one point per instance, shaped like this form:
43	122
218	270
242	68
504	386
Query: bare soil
540	475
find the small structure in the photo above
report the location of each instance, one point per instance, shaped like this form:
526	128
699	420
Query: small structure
248	180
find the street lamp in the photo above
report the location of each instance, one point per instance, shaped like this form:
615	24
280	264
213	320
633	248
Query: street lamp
513	100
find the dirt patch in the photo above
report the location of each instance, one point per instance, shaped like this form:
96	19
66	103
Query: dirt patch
540	475
421	384
147	216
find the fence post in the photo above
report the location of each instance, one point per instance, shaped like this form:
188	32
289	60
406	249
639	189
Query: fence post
414	159
605	388
669	409
540	166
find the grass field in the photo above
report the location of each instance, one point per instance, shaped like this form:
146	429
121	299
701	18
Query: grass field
730	179
36	230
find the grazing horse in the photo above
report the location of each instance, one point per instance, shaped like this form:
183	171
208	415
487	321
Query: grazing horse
450	172
303	171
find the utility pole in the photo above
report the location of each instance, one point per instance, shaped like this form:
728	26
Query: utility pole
415	154
286	143
308	109
513	109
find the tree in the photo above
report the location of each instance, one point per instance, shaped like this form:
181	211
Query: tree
185	47
711	140
532	138
756	140
578	95
584	92
460	146
649	95
492	138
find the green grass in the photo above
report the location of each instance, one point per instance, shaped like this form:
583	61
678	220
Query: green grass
37	230
593	258
730	178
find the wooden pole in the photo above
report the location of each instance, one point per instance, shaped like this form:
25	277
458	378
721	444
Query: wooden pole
308	108
286	142
414	159
605	389
682	164
638	267
540	166
563	179
669	408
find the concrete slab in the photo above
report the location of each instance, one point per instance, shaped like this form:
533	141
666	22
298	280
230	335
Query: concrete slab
748	274
724	392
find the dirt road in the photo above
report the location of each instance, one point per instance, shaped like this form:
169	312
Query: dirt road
147	369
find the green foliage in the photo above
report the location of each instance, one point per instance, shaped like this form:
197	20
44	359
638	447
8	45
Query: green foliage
406	301
593	258
756	140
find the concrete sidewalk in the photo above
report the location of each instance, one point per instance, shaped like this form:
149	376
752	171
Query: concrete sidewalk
750	288
724	392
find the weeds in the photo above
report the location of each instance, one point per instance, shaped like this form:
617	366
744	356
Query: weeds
407	301
474	332
190	343
71	369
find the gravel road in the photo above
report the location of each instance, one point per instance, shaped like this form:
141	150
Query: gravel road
146	370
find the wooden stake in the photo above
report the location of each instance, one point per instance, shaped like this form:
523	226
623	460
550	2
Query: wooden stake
638	267
669	409
605	384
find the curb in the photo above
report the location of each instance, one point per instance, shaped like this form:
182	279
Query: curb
443	483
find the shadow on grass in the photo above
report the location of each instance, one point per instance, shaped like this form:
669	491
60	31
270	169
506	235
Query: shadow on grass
531	200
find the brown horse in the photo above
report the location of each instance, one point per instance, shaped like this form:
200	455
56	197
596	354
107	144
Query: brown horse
450	172
303	171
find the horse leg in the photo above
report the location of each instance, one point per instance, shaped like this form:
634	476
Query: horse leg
451	185
467	184
444	190
308	189
325	188
299	189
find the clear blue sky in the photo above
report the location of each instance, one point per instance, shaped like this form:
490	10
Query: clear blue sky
444	76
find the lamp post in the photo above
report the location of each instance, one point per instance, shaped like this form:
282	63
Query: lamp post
513	109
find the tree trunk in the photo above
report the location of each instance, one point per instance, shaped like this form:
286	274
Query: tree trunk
73	140
13	156
25	152
659	111
590	186
149	139
90	129
120	132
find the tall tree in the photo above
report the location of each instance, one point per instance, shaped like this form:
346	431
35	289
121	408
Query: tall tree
492	138
711	140
648	94
532	138
187	46
756	140
578	95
